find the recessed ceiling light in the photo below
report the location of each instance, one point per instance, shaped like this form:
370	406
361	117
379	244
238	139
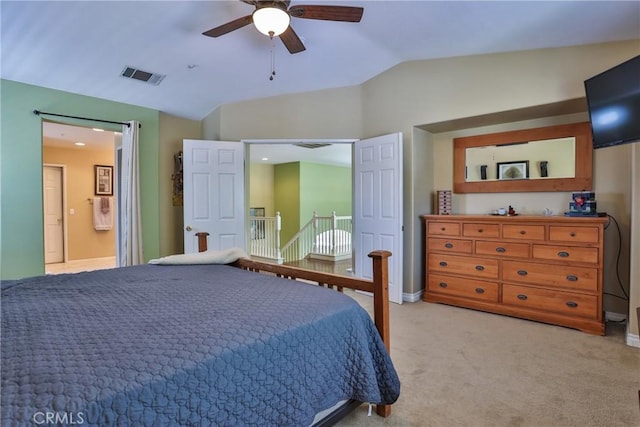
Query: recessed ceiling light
265	158
80	144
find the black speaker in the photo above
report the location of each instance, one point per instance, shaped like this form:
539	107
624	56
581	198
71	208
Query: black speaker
483	171
544	171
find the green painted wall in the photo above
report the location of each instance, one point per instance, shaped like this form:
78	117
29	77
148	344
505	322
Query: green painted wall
302	188
21	219
324	189
287	198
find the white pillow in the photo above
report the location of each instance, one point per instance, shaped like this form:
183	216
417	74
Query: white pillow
225	256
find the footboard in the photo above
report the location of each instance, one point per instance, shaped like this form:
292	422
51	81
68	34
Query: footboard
379	287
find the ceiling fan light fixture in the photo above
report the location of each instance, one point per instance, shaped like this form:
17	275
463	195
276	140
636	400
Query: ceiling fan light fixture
271	21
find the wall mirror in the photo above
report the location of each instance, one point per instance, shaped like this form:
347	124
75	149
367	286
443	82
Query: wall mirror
553	158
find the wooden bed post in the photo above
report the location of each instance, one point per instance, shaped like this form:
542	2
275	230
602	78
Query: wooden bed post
202	241
381	294
381	306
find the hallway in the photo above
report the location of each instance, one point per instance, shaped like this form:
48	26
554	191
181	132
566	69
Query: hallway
76	266
342	268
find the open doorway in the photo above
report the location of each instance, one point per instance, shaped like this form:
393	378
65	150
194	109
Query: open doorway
377	200
305	189
79	198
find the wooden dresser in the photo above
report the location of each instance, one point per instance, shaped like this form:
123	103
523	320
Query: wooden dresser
542	268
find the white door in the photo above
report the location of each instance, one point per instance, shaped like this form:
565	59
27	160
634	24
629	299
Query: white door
213	194
53	214
377	211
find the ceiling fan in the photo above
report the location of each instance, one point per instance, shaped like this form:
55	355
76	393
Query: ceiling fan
272	18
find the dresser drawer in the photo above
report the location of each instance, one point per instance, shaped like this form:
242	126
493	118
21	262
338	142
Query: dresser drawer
480	230
503	249
450	245
523	232
563	276
566	253
454	264
442	228
558	233
467	288
550	301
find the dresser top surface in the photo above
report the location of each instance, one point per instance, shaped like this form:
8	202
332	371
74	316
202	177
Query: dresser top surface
519	218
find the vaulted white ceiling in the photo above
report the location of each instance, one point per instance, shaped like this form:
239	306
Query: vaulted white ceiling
82	47
272	152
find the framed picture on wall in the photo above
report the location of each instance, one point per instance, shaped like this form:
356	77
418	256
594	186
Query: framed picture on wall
103	180
256	211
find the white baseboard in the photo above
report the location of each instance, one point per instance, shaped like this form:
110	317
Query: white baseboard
610	316
327	257
266	259
633	340
417	296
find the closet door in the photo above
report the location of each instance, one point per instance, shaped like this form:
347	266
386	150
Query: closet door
53	214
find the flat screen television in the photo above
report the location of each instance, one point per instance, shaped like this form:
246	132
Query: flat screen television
613	100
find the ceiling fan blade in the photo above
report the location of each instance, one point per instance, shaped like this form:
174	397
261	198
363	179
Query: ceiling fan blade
327	13
229	26
291	41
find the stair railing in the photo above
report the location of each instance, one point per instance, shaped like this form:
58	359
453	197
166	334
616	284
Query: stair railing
327	237
321	235
265	237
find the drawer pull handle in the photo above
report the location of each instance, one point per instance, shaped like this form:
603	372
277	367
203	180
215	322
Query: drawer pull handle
572	304
479	291
448	245
522	297
522	272
572	234
500	249
443	264
479	267
572	278
523	232
442	229
443	284
563	254
480	230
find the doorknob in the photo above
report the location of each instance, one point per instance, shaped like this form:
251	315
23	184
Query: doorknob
189	228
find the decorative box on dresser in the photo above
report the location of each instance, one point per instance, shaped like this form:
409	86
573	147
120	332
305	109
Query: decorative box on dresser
542	268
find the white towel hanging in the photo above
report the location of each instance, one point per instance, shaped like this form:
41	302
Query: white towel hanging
102	218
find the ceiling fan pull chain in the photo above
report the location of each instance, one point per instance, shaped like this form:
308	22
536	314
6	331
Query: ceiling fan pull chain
273	56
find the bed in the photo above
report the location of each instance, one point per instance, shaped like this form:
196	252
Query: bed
209	344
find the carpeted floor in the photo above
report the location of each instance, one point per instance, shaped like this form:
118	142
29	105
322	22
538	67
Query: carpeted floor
461	367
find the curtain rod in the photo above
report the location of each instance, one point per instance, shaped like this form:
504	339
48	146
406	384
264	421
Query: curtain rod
38	113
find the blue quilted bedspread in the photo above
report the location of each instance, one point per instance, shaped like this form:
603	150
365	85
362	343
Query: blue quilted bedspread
184	345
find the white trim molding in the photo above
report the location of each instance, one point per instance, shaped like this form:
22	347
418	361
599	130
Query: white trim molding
417	296
632	339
